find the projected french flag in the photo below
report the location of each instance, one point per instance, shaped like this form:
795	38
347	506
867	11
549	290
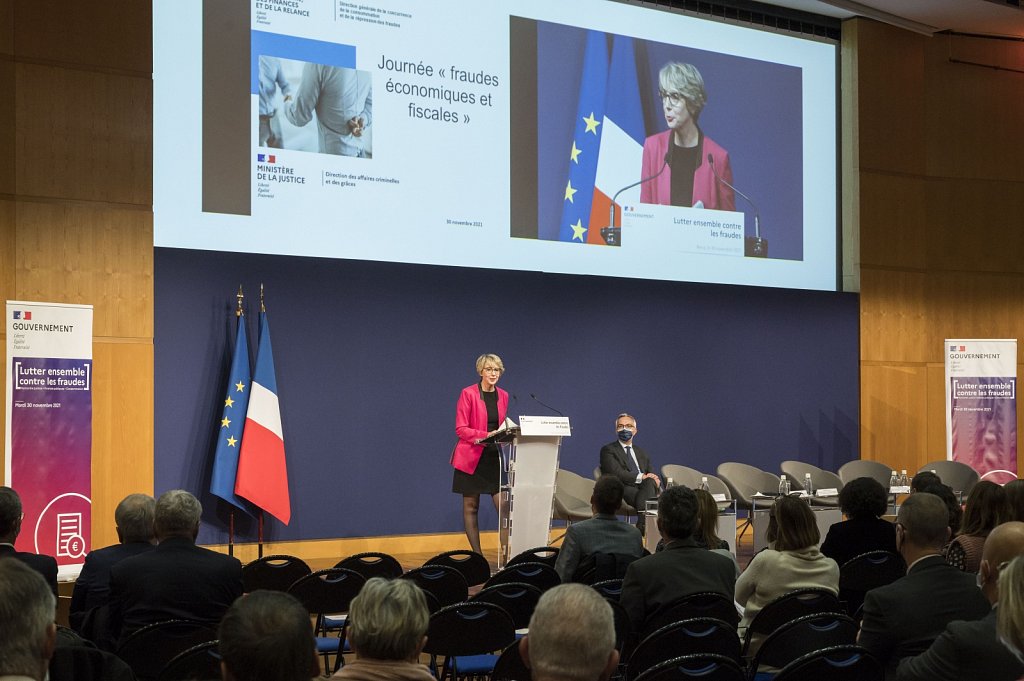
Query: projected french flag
608	138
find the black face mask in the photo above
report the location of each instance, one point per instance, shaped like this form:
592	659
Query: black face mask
625	435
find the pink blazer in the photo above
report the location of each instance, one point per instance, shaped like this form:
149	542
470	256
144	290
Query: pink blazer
706	188
471	424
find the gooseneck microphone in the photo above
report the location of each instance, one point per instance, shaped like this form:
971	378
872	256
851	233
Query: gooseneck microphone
754	246
546	405
611	234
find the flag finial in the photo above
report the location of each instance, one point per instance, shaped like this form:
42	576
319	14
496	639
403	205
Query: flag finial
263	308
240	296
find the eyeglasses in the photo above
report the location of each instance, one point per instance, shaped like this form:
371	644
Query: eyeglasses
487	370
674	98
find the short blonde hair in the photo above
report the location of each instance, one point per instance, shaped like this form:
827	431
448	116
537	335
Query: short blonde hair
388	619
493	359
687	81
572	633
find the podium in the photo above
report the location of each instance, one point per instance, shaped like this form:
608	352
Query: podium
524	509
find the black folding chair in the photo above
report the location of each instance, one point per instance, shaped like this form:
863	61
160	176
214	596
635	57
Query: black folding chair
518	600
148	650
274	573
838	663
510	665
327	592
703	667
198	663
688	637
865	572
540	575
471	564
609	588
789	607
601	567
703	604
446	584
467	636
85	663
372	564
541	554
803	635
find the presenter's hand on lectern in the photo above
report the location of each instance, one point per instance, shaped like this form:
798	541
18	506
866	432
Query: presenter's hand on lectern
489	435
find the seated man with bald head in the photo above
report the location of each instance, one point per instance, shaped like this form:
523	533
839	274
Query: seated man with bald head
903	618
572	636
971	650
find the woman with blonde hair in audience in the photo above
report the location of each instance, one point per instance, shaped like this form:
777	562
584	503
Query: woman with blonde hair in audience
791	561
986	507
1010	607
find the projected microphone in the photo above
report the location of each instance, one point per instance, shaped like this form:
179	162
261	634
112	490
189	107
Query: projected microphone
611	234
754	246
548	406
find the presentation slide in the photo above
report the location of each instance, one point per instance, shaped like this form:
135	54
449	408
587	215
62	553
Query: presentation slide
589	137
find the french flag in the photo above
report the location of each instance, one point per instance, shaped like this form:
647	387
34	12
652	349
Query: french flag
262	471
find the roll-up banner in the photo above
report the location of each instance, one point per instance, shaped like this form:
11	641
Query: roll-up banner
981	406
48	444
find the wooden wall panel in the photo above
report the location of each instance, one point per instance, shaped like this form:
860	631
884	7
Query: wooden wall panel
7	253
894	414
84	135
7	128
76	253
898	201
893	323
7	27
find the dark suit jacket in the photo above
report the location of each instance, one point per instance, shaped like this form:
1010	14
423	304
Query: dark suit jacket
44	565
600	534
92	588
614	461
853	537
176	580
965	650
682	568
903	618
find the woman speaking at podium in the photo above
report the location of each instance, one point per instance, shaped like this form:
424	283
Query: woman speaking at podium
481	409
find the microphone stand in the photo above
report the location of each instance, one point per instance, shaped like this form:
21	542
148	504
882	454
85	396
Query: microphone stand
753	246
611	234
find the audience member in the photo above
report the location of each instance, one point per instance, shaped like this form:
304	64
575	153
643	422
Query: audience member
387	629
133	519
903	618
11	514
971	650
922	480
707	527
177	579
986	508
267	636
1010	611
682	568
863	502
616	541
630	464
1015	499
792	561
953	509
28	633
572	636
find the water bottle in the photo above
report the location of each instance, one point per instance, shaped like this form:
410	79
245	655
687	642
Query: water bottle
808	485
894	480
668	483
704	484
904	480
784	487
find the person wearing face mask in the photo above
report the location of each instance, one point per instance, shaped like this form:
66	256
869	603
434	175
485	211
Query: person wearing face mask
630	464
971	650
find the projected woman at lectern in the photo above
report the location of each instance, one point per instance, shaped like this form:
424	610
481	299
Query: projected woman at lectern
686	167
481	409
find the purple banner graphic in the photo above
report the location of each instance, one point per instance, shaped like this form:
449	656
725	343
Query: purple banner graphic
983	416
51	430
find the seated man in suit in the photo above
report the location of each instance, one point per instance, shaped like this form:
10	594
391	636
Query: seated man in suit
604	533
133	519
903	618
681	568
11	514
971	650
177	579
572	636
28	633
631	465
267	636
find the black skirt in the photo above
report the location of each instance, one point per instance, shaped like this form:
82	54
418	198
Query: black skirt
486	479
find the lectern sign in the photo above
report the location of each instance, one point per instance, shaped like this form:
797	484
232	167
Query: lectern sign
545	425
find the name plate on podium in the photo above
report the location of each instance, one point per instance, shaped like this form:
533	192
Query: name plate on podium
533	426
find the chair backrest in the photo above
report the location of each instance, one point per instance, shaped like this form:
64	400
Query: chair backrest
961	477
510	665
681	475
703	667
275	573
469	629
517	598
609	588
837	663
864	468
789	607
538	574
85	663
148	650
820	478
198	663
804	635
547	555
707	604
572	496
372	564
687	637
622	626
865	572
473	566
329	591
446	584
602	567
744	481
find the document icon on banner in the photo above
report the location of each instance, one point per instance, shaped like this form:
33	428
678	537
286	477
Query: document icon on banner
69	535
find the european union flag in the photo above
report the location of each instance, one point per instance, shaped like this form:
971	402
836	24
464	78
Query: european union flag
232	423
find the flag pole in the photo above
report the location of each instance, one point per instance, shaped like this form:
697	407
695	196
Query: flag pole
260	544
231	514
